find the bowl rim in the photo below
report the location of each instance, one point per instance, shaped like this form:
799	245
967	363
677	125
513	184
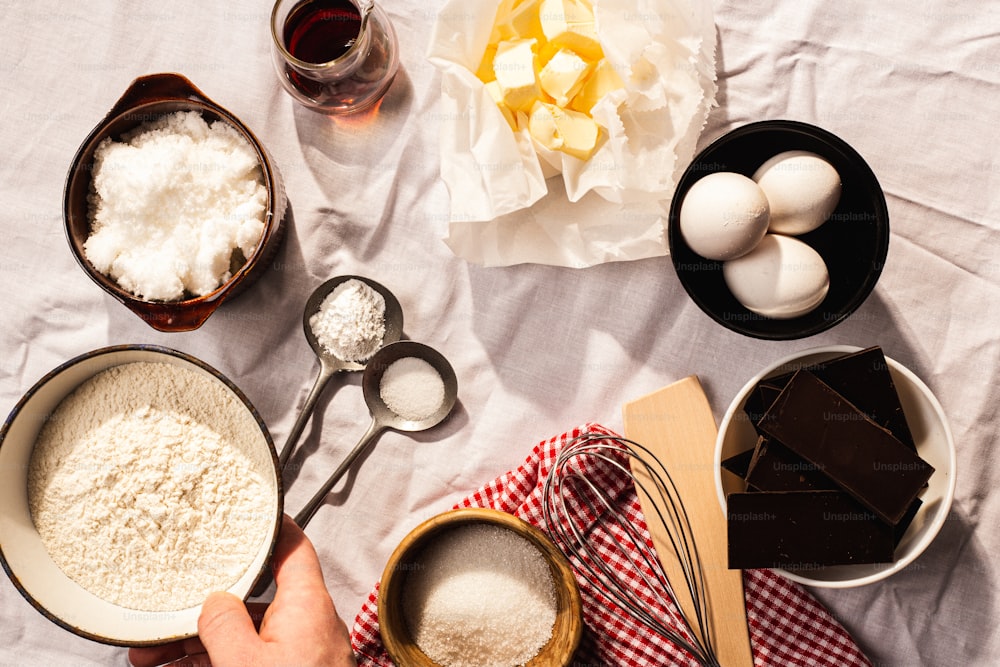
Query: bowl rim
155	350
144	98
883	570
692	173
456	517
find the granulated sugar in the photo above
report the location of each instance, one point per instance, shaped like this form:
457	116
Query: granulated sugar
481	596
350	323
412	388
149	486
172	203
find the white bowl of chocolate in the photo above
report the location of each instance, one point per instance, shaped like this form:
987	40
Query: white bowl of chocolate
834	466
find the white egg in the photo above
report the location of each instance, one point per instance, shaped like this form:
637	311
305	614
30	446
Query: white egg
723	215
781	278
802	188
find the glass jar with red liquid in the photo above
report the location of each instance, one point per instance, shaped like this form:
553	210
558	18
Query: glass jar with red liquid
334	56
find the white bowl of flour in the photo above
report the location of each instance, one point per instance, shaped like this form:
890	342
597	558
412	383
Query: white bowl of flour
134	481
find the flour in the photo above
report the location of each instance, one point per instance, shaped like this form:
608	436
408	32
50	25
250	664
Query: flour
149	487
350	323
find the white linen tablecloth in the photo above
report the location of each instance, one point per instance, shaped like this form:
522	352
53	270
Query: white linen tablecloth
914	87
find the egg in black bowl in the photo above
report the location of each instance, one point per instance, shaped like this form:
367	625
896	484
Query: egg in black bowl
853	241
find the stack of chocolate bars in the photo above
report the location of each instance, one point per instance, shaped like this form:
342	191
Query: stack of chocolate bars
834	477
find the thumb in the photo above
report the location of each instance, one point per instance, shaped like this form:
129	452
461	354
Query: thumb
227	631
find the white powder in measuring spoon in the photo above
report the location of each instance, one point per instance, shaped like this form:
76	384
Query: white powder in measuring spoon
148	486
412	388
350	323
481	596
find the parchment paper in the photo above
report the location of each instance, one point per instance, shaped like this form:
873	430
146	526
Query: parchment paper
514	202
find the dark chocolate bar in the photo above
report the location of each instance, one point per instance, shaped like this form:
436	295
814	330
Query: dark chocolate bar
779	381
777	468
759	400
753	460
864	459
803	530
739	463
863	378
904	524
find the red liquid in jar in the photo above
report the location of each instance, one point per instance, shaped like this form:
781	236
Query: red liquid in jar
318	31
334	67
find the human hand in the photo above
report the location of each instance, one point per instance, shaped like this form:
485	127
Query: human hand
300	625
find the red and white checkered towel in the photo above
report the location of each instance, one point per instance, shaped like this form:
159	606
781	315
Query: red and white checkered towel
788	627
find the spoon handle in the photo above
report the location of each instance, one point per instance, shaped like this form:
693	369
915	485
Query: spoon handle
326	372
307	512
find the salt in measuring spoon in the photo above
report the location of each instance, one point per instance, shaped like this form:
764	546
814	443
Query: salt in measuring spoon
382	416
330	364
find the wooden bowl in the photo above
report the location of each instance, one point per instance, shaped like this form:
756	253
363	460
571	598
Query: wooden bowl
396	637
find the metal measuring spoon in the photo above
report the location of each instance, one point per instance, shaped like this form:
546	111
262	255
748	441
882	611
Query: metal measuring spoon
382	418
330	365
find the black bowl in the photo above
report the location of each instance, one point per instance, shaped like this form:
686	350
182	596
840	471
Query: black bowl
853	242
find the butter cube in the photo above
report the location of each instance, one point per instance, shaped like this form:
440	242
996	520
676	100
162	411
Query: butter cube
579	133
499	31
569	24
485	71
601	81
523	22
542	125
494	90
563	76
514	66
565	130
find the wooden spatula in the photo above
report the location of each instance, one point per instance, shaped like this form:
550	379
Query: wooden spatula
676	424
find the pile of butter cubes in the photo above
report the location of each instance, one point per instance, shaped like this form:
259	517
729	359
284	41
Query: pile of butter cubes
545	68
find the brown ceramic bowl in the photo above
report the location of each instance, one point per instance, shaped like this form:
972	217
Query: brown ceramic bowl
147	98
396	637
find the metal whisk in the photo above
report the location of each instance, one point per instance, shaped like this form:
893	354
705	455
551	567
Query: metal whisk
569	493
